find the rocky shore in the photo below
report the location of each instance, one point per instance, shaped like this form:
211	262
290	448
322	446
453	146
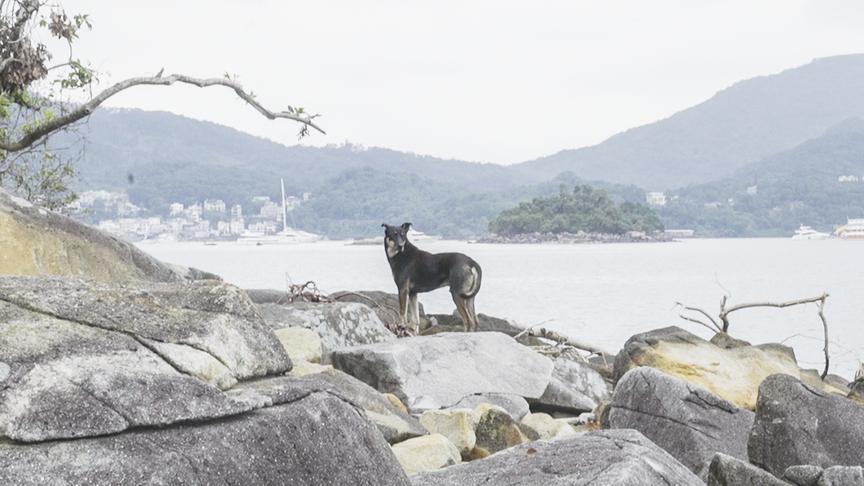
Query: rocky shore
574	238
154	374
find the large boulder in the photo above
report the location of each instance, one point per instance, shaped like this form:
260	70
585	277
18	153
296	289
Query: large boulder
306	435
432	372
543	426
35	241
88	358
575	388
687	421
338	323
603	458
456	424
732	373
796	424
729	471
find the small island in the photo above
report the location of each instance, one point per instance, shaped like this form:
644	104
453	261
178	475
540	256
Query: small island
583	215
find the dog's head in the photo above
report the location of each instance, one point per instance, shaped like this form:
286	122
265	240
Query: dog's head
395	238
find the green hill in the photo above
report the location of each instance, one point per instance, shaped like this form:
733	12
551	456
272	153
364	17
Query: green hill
787	189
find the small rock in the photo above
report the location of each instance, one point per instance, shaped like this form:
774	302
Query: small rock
842	476
575	388
496	430
394	400
543	426
803	475
427	453
729	471
455	424
515	405
300	343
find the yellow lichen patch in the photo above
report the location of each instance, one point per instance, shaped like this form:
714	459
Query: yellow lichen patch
733	374
29	250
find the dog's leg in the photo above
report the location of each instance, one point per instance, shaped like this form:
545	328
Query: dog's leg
463	311
469	306
403	305
414	312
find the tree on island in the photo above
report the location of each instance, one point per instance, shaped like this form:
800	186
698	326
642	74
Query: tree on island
33	105
584	209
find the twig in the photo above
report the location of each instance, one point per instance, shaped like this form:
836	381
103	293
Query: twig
48	127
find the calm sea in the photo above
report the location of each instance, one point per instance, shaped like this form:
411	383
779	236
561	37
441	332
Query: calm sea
599	293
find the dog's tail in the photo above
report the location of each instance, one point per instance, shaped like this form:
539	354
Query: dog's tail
476	279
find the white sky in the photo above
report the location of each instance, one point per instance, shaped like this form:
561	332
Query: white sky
491	81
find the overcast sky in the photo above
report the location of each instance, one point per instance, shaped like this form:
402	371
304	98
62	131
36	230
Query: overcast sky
491	81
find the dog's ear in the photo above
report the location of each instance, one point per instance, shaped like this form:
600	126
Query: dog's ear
406	226
385	225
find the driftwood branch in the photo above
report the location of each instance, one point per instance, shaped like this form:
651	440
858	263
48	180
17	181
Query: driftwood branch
46	128
542	332
725	311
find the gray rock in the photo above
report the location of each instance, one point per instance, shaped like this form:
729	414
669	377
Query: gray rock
515	405
729	471
803	475
603	458
433	372
453	323
35	241
385	305
796	424
313	438
496	430
339	324
88	358
395	424
687	421
842	476
575	388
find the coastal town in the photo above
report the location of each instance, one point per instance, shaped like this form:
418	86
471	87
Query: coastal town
210	219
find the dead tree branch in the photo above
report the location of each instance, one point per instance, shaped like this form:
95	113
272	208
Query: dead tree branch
542	332
46	128
725	311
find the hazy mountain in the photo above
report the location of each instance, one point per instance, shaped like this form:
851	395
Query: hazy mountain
796	186
742	124
171	157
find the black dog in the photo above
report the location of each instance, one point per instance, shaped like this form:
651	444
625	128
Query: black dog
415	271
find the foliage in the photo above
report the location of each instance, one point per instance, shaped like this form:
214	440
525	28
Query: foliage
31	93
584	209
798	186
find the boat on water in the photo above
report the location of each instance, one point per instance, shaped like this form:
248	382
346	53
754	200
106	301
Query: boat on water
852	230
808	233
414	236
288	235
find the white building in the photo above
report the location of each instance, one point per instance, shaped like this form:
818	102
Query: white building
271	210
753	190
655	198
848	178
236	211
175	209
214	206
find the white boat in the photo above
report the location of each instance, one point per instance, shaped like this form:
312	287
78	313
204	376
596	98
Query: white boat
852	230
288	235
414	236
808	233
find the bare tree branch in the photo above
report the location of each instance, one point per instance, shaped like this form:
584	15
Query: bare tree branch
696	309
48	127
542	332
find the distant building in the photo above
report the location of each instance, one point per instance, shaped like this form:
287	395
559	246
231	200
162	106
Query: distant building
214	206
193	212
237	226
655	198
236	211
753	190
270	210
260	199
307	196
175	209
679	233
848	178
